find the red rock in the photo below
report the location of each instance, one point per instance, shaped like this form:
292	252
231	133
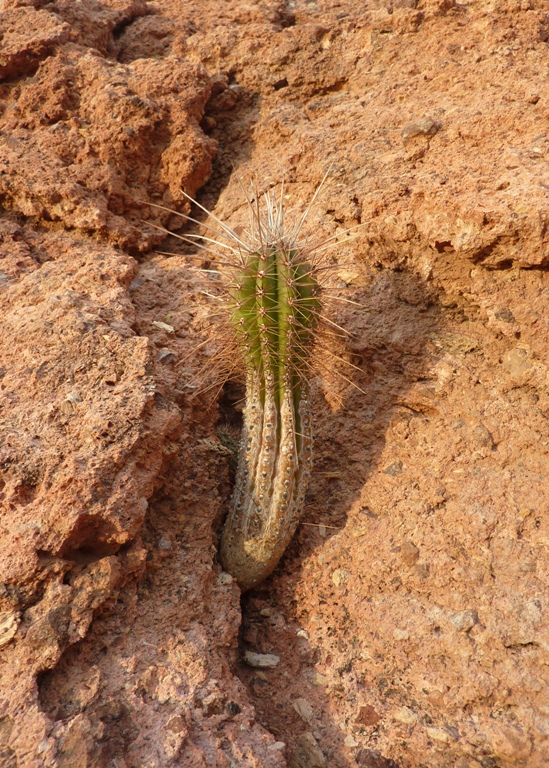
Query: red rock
118	648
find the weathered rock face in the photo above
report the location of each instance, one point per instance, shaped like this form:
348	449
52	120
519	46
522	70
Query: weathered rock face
410	612
90	137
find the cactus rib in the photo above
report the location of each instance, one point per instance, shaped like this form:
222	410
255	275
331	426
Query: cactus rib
276	323
273	300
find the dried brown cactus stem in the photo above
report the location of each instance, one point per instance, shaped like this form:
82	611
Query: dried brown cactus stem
272	478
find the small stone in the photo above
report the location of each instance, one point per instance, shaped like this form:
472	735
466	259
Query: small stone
349	741
213	704
367	716
358	533
164	543
394	469
422	570
304	710
302	633
464	620
405	715
409	553
232	708
9	622
483	437
516	362
163	326
505	315
438	734
319	678
401	634
278	746
340	576
308	754
224	579
424	127
176	724
266	612
165	356
261	660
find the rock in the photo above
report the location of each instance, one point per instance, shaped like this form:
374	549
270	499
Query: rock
307	754
350	742
405	715
517	362
9	622
367	715
464	620
483	437
108	442
304	710
394	469
340	576
261	660
438	734
409	553
423	127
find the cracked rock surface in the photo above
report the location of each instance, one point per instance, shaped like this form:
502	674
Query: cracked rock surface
409	615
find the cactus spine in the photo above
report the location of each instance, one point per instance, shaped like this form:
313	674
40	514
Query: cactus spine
273	297
274	311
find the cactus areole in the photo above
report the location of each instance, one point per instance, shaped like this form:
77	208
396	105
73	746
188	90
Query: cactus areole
274	309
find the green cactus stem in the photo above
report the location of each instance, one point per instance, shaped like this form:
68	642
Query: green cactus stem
272	293
274	311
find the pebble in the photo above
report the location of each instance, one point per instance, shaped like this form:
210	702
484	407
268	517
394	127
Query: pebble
401	634
409	553
464	620
438	734
224	579
308	754
261	660
349	741
367	715
9	622
278	746
482	437
505	315
319	678
404	715
165	356
516	362
304	710
163	326
340	576
394	469
424	127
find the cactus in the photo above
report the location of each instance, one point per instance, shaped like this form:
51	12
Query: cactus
274	309
273	302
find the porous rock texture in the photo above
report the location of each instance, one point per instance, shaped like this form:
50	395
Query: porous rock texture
410	611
